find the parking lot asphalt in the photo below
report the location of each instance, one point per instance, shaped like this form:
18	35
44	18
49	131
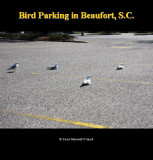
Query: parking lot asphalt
34	97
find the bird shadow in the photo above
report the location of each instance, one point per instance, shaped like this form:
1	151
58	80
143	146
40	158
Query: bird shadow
83	85
10	72
119	68
48	68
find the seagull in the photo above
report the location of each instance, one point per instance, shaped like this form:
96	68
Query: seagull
120	67
14	66
53	67
86	81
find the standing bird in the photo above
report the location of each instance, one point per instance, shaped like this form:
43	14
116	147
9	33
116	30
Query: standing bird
86	81
14	67
53	67
120	67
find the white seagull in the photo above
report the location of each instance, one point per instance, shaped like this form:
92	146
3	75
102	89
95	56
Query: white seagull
14	66
53	67
120	67
86	81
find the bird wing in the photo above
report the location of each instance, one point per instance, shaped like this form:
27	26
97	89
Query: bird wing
120	67
86	81
14	66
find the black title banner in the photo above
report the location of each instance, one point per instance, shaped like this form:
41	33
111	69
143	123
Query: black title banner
76	19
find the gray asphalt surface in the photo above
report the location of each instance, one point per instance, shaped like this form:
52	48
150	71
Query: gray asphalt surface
118	99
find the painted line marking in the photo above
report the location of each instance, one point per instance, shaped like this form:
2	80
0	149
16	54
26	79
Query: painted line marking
35	73
110	80
57	120
124	81
136	64
121	47
100	79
